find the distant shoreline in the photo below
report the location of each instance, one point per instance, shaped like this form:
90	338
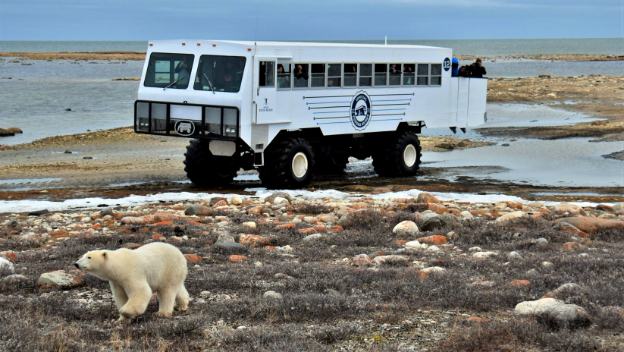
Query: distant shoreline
140	56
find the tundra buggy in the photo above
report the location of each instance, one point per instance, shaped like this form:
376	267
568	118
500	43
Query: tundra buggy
293	110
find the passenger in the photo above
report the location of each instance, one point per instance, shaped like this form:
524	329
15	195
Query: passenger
184	74
455	67
299	73
395	70
465	71
477	70
280	68
408	76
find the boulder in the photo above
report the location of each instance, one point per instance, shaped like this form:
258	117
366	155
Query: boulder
249	225
361	260
197	209
391	260
591	225
432	270
414	245
510	216
61	279
273	295
254	240
133	220
567	208
406	228
193	258
434	239
424	197
484	255
554	312
6	267
229	247
567	291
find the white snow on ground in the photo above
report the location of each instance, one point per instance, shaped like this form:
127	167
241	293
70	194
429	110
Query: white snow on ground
23	206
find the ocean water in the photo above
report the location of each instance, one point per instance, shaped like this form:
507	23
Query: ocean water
486	47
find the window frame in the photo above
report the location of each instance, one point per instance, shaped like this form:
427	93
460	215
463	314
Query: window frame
292	76
431	75
357	72
375	75
289	75
171	71
371	76
274	85
327	77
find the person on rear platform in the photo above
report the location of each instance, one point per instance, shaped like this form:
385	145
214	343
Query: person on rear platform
477	70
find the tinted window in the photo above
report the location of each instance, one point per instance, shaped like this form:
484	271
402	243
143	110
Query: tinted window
366	75
436	74
318	75
423	74
395	74
381	74
267	74
334	75
300	75
169	70
350	75
220	73
409	74
283	75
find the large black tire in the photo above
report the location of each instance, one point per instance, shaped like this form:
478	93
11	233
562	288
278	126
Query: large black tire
399	156
281	170
205	169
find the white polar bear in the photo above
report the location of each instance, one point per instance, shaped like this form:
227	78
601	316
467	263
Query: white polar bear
134	274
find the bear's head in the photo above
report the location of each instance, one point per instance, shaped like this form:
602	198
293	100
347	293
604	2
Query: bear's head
93	262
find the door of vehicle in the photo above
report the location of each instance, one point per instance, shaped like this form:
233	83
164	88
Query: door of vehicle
265	94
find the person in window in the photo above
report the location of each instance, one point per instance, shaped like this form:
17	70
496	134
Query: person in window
301	76
184	74
455	67
477	70
409	75
395	70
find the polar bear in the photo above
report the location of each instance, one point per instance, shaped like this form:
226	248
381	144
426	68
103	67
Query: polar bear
134	274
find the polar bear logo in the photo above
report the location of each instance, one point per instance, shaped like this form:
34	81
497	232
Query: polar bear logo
185	128
134	275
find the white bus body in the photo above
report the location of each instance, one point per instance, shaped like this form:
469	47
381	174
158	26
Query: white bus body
230	95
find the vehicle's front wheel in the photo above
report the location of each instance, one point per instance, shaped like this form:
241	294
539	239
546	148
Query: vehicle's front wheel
288	163
205	169
399	156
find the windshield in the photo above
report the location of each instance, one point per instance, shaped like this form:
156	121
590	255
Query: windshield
167	70
220	73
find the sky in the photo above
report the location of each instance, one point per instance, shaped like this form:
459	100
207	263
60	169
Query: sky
309	20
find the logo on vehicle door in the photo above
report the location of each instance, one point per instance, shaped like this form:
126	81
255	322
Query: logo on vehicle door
185	128
360	110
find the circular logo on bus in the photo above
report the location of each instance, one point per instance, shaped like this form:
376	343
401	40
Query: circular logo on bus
360	110
446	64
185	128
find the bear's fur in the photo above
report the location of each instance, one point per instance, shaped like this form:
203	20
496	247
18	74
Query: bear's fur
134	275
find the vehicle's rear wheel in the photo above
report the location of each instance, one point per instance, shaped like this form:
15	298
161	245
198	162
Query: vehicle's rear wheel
399	156
205	169
288	163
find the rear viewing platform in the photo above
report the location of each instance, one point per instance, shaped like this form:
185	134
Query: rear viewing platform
293	110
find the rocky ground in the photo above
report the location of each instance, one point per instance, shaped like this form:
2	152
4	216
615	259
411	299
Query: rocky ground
288	273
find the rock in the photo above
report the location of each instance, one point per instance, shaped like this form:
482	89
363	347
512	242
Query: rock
60	279
193	258
6	267
236	258
314	237
15	280
474	249
236	200
567	208
392	260
197	209
566	292
433	223
511	216
434	239
432	270
414	245
541	242
571	229
547	264
405	228
227	247
466	215
572	246
484	255
592	225
520	283
361	260
555	312
249	225
9	255
133	220
424	197
513	255
282	195
254	240
273	295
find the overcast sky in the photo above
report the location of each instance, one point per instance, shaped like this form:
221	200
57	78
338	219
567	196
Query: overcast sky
319	19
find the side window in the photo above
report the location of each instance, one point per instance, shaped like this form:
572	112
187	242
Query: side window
350	75
283	75
395	74
381	74
334	75
423	74
436	74
318	75
267	74
409	75
366	75
301	76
